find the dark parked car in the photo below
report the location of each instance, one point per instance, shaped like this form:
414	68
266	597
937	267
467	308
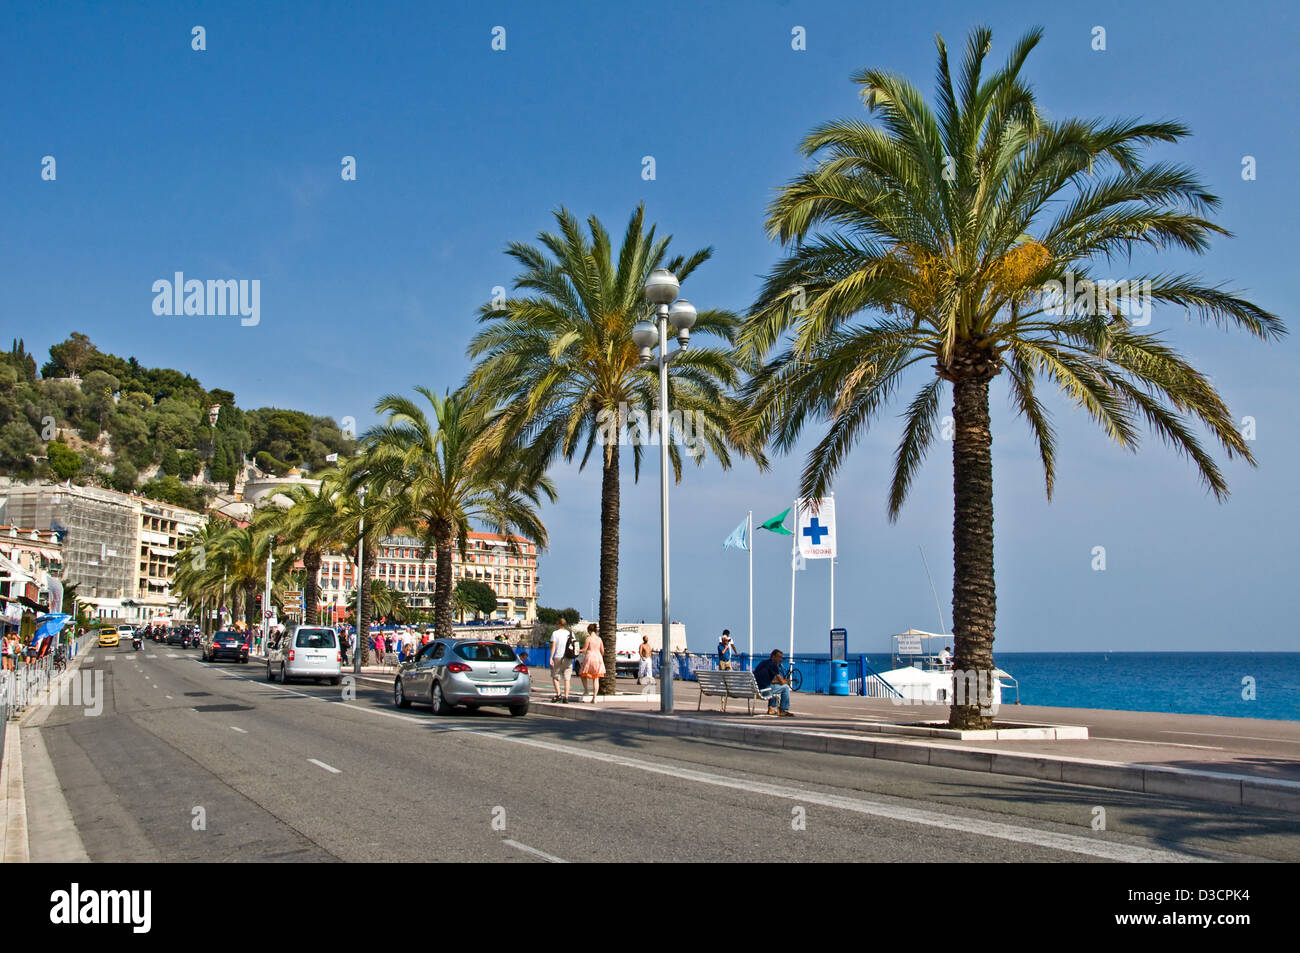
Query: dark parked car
226	644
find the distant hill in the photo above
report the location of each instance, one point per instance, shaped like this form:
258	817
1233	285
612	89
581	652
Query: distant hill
99	419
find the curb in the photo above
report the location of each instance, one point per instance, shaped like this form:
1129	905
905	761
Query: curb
13	801
1220	788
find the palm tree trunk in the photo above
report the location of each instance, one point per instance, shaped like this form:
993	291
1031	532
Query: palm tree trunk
609	567
250	605
311	589
974	596
442	588
367	608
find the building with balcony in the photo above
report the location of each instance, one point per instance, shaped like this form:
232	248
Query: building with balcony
402	566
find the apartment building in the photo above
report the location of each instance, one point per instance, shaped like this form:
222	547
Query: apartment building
120	549
399	563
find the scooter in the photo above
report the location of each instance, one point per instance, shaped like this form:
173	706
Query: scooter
135	642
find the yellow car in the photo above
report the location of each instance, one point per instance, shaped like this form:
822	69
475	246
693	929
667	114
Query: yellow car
107	638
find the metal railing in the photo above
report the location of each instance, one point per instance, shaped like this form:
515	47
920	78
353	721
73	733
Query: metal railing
815	673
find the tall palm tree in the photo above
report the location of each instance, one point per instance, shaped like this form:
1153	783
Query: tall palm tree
314	524
432	475
202	566
950	234
559	357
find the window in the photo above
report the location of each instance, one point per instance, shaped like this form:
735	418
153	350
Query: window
315	639
485	652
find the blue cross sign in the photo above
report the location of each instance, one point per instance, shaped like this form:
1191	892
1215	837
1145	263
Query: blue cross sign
816	530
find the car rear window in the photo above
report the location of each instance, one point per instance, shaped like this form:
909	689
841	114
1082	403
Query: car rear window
228	637
485	652
315	639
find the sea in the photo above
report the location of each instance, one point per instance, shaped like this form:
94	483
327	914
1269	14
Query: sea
1235	684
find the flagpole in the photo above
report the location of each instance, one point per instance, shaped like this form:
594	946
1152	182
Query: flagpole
794	552
749	533
833	583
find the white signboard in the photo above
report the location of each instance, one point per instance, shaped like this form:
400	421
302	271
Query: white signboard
815	528
909	645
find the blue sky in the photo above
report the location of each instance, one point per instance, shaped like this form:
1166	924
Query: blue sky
225	164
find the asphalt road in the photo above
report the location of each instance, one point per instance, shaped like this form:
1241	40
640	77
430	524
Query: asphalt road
200	762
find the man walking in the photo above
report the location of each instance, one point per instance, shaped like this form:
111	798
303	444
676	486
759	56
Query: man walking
563	652
644	671
727	653
774	685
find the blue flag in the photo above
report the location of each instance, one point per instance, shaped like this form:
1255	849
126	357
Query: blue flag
739	538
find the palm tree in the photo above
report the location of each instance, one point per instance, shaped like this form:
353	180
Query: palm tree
202	566
433	476
560	359
950	235
314	524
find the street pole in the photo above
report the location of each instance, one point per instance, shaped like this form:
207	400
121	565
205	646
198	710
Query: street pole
666	660
749	538
266	597
361	572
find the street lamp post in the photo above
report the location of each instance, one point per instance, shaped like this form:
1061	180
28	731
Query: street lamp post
266	597
661	291
361	576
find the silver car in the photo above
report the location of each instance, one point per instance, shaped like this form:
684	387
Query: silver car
472	672
305	651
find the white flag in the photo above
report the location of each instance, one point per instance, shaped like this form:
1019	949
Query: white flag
331	458
815	528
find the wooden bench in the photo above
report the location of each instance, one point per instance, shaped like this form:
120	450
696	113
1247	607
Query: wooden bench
726	685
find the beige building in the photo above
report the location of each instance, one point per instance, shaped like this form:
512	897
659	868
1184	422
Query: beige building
399	564
119	548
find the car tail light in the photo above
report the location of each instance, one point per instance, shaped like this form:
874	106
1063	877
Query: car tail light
457	667
340	654
291	655
521	667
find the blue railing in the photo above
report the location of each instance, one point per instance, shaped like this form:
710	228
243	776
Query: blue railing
815	672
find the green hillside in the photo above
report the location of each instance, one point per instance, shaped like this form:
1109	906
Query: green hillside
99	419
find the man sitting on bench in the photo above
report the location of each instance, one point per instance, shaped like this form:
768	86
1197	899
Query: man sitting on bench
774	685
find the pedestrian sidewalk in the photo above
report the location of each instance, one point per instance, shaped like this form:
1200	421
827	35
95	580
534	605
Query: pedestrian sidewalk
1248	762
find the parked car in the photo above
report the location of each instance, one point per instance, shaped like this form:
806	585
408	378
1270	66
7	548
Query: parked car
476	673
225	644
305	651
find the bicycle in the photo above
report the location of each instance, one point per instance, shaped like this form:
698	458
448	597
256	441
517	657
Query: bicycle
793	676
60	659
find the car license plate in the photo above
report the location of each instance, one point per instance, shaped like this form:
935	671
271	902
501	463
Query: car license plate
487	690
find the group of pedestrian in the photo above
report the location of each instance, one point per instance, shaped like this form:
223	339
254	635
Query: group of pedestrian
12	649
565	651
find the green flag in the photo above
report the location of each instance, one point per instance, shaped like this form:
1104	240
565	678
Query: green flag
777	524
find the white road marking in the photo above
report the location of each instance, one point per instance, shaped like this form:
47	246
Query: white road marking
1206	734
151	655
173	655
549	858
168	697
322	764
243	732
1073	843
1163	744
90	658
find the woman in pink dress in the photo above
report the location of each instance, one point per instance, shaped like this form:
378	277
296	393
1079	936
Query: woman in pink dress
593	662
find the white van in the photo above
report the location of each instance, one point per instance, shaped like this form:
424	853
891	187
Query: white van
627	657
306	651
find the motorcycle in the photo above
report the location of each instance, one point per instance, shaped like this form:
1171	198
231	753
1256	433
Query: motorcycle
135	642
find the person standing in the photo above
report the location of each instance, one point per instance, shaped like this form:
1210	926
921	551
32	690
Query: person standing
344	643
563	652
593	662
644	669
726	652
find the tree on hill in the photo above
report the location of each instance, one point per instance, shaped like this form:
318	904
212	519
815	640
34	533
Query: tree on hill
69	358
